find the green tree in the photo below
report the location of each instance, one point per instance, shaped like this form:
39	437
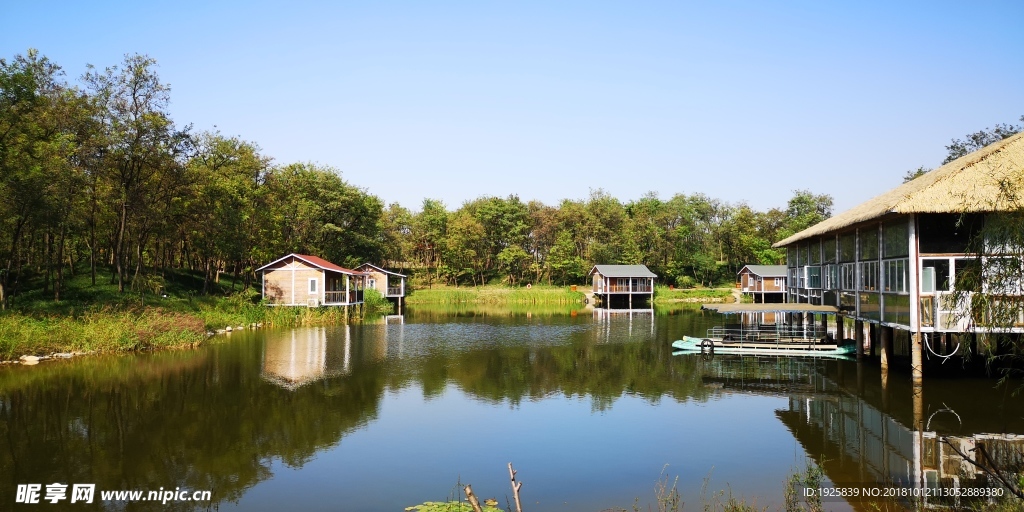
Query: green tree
144	153
979	139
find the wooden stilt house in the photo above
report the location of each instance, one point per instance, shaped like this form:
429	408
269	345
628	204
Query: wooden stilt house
304	280
623	286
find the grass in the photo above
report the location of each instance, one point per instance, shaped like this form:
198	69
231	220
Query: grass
100	319
495	294
662	294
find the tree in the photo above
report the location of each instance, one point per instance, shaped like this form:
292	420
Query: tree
565	264
910	175
977	140
144	152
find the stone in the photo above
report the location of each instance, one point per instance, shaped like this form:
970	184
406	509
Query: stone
227	329
29	359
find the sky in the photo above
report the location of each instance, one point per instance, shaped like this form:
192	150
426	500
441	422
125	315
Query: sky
741	101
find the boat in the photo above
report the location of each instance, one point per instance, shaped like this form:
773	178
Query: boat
776	338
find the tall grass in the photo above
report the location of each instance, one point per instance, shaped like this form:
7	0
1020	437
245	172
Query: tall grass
496	295
104	331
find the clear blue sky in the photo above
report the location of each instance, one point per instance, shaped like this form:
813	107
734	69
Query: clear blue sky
742	101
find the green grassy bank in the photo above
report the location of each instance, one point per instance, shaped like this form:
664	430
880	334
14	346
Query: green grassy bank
664	295
495	294
99	319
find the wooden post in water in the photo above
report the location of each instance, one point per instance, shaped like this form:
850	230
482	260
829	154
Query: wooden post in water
916	359
886	336
918	392
872	338
858	336
824	323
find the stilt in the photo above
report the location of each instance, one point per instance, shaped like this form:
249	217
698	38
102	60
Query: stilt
886	339
873	338
916	359
858	334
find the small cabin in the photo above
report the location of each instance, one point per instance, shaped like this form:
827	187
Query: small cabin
763	283
304	280
623	286
389	284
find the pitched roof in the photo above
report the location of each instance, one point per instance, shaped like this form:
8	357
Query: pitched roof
766	270
622	271
312	260
378	269
971	183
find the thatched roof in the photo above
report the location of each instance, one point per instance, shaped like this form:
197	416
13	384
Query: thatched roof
970	183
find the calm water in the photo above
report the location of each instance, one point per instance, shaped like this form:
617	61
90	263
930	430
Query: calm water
591	410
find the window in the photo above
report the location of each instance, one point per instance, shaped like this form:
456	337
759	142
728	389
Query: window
869	275
813	277
847	276
778	282
896	275
313	285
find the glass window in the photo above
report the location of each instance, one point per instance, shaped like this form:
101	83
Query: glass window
868	275
814	258
313	285
896	309
848	247
813	277
868	244
791	256
896	275
895	239
947	233
828	247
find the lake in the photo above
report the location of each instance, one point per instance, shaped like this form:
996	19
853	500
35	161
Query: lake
593	411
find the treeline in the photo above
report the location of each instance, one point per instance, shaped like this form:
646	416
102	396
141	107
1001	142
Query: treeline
96	177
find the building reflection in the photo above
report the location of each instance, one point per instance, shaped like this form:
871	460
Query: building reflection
302	355
884	435
623	324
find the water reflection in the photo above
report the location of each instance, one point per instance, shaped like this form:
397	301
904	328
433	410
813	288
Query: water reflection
359	406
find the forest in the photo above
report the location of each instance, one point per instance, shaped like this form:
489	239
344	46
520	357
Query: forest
96	178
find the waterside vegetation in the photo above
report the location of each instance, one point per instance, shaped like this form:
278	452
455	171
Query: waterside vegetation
92	319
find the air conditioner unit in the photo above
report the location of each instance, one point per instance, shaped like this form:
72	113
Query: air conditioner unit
313	302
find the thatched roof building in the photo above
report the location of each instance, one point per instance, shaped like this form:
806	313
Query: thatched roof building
971	183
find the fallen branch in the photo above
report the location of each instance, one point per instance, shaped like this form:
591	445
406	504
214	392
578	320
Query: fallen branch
515	487
472	499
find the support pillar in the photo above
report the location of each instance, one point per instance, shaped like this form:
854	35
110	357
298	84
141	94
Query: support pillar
886	342
918	398
858	333
916	359
824	324
873	338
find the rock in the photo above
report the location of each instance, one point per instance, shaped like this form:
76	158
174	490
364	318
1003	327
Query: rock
210	333
240	328
29	359
63	355
227	329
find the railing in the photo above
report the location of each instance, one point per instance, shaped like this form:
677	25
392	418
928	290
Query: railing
623	288
394	291
340	298
767	333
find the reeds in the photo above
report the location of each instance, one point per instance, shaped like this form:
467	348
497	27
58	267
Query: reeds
496	295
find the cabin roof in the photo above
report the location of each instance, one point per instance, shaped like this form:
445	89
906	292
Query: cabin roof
622	271
766	270
312	260
971	183
378	269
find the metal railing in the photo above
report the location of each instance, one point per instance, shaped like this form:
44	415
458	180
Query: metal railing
623	288
768	333
394	290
